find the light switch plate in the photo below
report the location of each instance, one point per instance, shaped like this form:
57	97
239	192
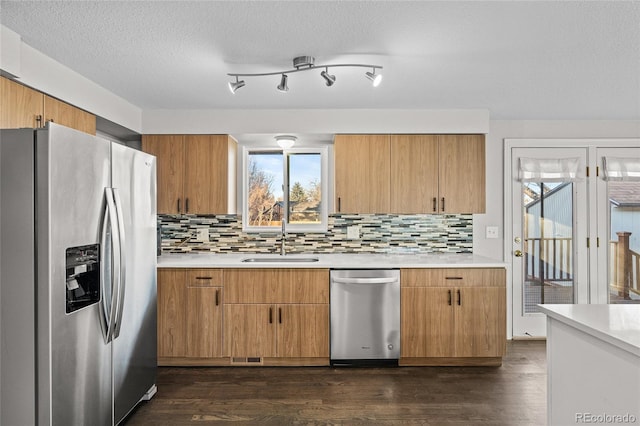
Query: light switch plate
492	232
202	235
353	232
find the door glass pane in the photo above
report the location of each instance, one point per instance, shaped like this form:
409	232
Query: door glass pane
305	195
624	242
548	243
264	194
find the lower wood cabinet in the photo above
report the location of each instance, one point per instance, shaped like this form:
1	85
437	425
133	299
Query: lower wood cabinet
277	313
450	316
189	314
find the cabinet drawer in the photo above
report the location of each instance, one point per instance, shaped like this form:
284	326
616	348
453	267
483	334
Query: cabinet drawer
276	285
204	277
454	277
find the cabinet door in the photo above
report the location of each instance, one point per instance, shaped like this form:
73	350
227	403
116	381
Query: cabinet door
362	168
68	115
303	330
204	322
250	330
210	174
414	174
427	322
169	151
480	316
276	285
20	106
462	174
171	313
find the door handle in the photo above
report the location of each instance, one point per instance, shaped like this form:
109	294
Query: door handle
435	204
123	261
517	253
449	298
217	297
280	315
270	315
179	206
186	205
443	204
459	298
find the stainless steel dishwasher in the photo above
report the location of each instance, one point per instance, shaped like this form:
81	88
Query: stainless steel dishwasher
365	317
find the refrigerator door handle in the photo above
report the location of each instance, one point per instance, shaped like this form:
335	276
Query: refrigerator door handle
123	264
108	304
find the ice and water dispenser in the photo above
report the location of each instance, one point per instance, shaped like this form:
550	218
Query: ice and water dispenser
82	276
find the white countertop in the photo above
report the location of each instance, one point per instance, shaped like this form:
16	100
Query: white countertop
342	261
618	325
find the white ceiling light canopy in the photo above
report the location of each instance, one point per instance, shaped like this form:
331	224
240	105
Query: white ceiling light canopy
307	63
286	141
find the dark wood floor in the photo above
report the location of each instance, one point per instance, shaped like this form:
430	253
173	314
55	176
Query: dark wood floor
514	394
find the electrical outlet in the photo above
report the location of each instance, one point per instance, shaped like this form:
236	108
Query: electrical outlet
353	232
202	235
492	232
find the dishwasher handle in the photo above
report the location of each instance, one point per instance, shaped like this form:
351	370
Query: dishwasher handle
364	280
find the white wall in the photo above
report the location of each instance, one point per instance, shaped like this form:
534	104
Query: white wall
39	71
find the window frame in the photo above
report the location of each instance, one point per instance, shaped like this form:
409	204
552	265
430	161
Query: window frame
324	188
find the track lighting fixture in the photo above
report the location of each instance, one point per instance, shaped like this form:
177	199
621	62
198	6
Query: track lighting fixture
282	87
330	79
235	86
376	79
306	63
285	141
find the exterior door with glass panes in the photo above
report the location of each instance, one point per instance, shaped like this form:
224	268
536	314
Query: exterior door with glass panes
549	235
618	195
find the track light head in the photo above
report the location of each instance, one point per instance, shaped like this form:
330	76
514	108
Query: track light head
282	87
376	79
234	86
330	79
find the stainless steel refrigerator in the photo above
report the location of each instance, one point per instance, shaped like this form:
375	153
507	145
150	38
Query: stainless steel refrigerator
77	278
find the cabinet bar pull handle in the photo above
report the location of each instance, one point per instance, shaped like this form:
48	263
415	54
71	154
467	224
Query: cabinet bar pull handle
435	204
459	298
452	278
449	298
270	315
443	204
186	205
179	205
217	297
39	121
204	278
339	202
280	315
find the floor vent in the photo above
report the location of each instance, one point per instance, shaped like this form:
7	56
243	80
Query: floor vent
246	360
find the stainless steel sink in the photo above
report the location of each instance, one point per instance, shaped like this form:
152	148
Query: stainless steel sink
280	259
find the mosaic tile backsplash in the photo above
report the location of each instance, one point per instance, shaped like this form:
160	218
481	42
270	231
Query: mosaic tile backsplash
384	233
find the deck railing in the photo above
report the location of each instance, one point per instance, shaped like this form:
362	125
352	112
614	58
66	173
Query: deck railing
552	256
624	266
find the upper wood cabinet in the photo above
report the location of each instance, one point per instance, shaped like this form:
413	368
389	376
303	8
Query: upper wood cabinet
68	115
22	106
196	173
410	174
362	173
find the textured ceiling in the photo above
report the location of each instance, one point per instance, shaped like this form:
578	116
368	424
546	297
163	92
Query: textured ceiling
520	60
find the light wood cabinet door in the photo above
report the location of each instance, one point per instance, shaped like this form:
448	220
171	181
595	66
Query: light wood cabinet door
250	330
171	313
20	106
427	322
303	330
414	174
462	174
169	152
210	167
480	316
204	313
362	167
275	285
67	115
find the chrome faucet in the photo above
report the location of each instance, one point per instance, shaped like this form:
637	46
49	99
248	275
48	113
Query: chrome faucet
284	234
